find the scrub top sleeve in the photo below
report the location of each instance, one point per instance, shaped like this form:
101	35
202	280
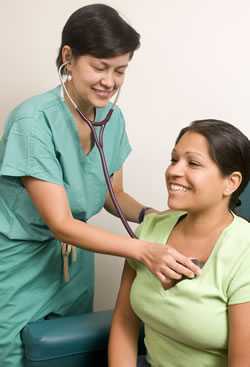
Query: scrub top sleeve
28	150
239	287
123	147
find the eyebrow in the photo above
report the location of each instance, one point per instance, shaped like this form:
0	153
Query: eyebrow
107	64
190	152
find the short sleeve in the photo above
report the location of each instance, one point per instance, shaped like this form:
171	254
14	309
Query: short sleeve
122	145
28	150
239	287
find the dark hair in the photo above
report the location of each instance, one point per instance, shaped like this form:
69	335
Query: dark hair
229	148
99	31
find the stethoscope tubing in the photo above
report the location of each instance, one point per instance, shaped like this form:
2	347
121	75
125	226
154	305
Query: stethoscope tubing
99	143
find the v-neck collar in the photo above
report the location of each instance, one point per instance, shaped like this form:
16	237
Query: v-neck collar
92	153
216	245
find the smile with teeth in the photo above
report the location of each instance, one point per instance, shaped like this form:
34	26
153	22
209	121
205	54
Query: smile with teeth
177	187
103	93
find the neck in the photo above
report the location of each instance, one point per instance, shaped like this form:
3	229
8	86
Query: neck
206	223
87	109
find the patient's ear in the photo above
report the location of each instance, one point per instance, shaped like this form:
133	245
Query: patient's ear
233	181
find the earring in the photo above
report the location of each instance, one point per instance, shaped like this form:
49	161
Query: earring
68	75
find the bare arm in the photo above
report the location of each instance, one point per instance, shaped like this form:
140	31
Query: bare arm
52	203
130	207
125	326
239	335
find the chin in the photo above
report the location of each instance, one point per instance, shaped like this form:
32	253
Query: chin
176	206
101	104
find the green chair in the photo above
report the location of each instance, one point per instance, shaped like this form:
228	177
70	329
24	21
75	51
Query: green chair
244	209
73	341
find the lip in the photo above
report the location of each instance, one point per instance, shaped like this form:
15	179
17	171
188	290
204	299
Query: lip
175	187
103	93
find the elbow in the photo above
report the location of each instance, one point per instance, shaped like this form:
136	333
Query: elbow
61	228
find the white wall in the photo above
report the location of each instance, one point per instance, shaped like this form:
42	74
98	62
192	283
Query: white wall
194	63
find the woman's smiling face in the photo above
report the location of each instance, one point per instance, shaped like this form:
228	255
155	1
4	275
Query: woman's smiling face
194	181
95	81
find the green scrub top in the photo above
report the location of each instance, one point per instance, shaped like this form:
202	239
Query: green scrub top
41	140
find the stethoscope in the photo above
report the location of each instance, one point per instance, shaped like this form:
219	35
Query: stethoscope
99	143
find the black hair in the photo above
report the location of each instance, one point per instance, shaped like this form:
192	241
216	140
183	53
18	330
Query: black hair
229	148
99	31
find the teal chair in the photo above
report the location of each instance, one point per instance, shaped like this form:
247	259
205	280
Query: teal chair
73	341
244	209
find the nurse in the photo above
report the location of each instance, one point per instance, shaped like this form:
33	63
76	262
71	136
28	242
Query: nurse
51	183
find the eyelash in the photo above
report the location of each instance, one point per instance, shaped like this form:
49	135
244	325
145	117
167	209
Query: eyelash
191	163
98	69
103	69
194	163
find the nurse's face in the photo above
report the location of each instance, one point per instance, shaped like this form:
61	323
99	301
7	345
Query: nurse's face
94	81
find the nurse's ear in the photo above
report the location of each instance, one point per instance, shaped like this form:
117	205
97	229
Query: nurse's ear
67	54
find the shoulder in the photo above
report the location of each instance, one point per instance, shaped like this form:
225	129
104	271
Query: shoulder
236	262
37	103
32	109
234	242
155	225
156	219
235	247
238	232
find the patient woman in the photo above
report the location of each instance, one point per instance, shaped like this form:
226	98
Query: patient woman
204	321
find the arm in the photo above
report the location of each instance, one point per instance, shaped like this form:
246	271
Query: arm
163	261
125	326
239	335
130	207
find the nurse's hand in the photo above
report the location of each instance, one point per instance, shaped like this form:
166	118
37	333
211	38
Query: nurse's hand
167	264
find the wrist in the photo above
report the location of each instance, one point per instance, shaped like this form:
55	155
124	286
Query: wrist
138	251
143	253
145	210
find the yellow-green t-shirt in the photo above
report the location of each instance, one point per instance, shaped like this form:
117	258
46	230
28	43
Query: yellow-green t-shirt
187	325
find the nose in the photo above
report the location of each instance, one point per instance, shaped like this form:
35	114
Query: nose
175	170
108	81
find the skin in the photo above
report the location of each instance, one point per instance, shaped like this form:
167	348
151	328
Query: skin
208	214
93	82
187	179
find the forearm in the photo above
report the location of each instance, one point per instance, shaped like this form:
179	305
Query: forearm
95	239
52	204
239	335
123	343
239	364
125	327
